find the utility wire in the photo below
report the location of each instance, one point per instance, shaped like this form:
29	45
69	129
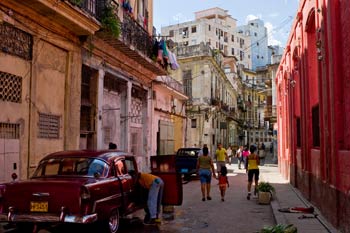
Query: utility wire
281	25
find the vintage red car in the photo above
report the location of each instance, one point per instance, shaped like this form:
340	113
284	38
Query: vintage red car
81	187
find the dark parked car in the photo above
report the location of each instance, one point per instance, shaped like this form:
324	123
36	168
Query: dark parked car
80	187
186	160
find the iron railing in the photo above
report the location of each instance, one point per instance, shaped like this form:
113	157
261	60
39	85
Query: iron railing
134	34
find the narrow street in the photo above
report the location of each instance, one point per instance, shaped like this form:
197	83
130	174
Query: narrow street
235	214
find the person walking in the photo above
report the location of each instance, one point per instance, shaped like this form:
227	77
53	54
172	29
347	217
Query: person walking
229	154
155	186
239	156
223	182
252	168
205	169
200	153
245	154
221	157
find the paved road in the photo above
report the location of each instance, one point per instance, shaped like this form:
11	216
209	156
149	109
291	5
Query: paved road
236	214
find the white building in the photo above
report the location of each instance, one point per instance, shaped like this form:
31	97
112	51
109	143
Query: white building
214	27
258	47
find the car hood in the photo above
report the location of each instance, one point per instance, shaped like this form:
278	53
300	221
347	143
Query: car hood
56	192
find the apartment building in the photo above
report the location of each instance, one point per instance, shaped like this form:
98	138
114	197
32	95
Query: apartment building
78	75
258	47
214	27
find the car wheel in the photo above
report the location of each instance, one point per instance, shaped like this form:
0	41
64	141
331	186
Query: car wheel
113	221
26	227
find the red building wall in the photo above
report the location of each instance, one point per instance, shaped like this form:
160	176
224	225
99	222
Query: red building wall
313	85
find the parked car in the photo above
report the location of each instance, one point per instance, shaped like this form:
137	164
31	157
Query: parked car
186	160
80	187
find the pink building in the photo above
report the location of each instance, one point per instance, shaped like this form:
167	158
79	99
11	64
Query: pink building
313	104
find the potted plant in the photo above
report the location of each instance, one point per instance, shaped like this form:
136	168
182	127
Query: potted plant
280	228
265	191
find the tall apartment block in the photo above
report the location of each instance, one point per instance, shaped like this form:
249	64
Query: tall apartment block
218	29
258	47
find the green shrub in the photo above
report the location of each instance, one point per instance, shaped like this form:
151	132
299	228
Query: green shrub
280	228
110	21
265	187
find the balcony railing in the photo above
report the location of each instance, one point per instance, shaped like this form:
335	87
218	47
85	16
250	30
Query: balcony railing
135	35
172	83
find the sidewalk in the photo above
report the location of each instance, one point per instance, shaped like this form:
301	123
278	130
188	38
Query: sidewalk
287	196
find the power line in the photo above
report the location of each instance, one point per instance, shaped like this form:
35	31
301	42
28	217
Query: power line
276	29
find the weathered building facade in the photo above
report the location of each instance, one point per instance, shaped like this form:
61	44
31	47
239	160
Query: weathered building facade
212	105
169	116
313	105
70	80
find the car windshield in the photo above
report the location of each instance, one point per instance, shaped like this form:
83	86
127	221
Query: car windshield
72	167
188	152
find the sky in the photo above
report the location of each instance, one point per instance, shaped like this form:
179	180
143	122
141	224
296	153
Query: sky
278	15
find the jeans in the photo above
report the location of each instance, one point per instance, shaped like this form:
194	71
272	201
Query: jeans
155	196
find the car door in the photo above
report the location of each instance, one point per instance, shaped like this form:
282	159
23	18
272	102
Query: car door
127	184
164	167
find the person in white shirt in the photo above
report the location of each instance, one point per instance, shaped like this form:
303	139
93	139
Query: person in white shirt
229	154
239	156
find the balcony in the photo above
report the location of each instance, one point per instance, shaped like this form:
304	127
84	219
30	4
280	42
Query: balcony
270	114
134	41
172	85
64	13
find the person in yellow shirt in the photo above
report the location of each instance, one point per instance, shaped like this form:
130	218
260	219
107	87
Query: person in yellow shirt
252	168
221	157
155	186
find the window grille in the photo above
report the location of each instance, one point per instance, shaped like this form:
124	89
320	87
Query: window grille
15	41
10	87
49	126
136	111
107	135
112	84
9	131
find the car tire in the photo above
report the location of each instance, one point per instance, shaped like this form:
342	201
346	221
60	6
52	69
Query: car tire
113	221
25	227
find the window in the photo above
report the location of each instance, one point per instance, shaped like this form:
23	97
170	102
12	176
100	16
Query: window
209	27
241	55
316	126
49	126
9	131
11	87
233	51
171	33
298	132
187	81
193	123
233	38
194	29
255	34
120	167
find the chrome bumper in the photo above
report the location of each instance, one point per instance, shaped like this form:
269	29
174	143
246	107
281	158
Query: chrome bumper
41	218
